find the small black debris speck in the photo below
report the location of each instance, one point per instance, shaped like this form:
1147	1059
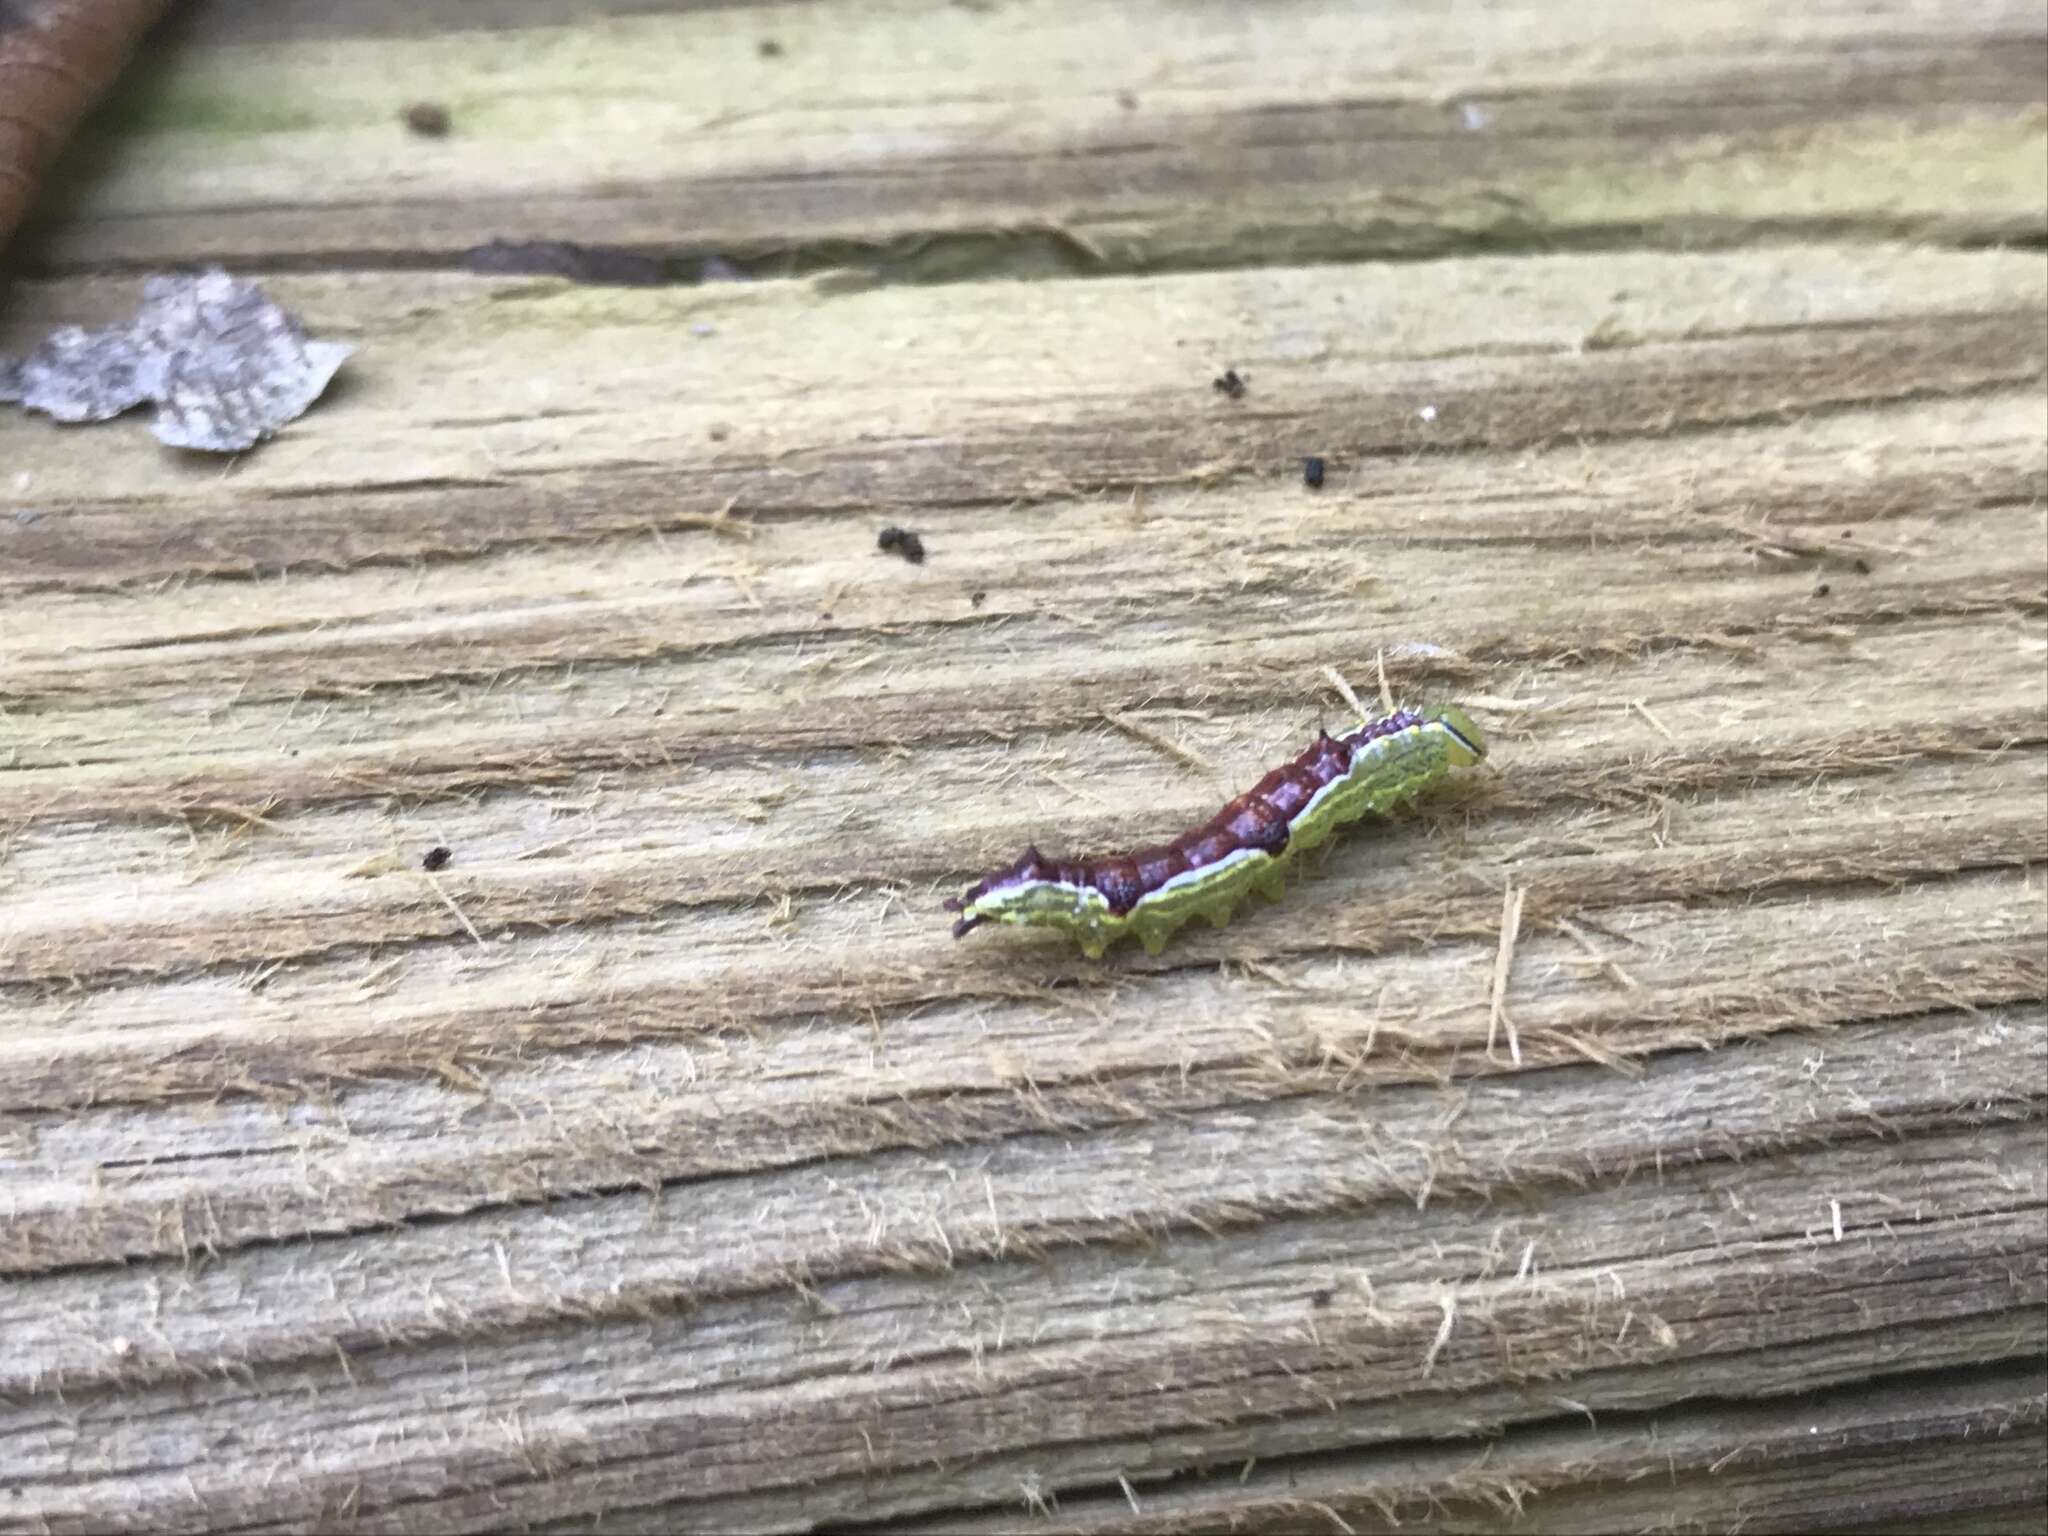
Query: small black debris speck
904	542
768	48
1312	473
1821	590
978	599
437	858
1127	101
428	119
1322	1296
1862	566
1231	383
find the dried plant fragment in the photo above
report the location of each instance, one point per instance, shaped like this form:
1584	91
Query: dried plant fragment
225	366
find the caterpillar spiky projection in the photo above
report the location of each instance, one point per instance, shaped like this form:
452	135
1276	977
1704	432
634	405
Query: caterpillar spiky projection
1151	892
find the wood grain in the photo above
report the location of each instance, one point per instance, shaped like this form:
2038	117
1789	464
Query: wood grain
660	1163
936	142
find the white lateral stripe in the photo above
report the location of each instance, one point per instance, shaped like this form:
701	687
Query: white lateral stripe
1206	872
1373	750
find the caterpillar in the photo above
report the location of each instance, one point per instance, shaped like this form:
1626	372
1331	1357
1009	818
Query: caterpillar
1151	892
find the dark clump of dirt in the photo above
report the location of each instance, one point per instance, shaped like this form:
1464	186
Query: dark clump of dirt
903	542
428	119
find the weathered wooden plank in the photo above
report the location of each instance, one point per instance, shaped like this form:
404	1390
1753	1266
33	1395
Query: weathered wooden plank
1183	1337
1610	708
398	989
1052	137
800	406
320	889
661	1163
1794	1467
625	1252
1957	1518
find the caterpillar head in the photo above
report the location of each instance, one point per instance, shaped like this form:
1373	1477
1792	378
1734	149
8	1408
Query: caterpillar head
1468	742
1038	892
991	897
